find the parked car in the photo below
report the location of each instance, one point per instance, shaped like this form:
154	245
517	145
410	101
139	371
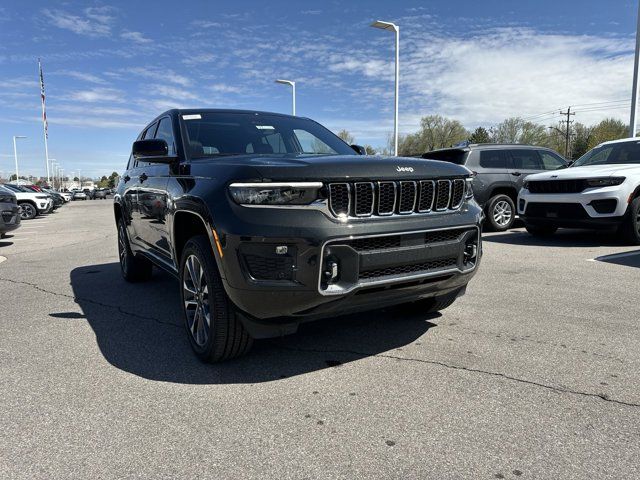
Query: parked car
89	193
600	190
499	173
100	194
58	199
272	220
31	203
66	195
9	211
79	195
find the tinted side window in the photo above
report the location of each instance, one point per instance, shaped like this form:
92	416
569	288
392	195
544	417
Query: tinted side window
526	159
493	159
148	133
551	161
165	132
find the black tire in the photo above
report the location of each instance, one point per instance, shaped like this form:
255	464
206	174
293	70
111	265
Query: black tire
28	210
541	230
224	337
134	268
630	229
501	213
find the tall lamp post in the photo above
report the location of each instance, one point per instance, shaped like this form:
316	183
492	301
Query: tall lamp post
293	92
15	155
392	27
54	164
634	93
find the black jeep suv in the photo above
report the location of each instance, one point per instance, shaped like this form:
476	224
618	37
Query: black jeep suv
270	220
499	172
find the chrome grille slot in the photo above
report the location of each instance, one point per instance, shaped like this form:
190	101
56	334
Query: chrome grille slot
427	189
457	193
386	198
443	195
363	203
339	199
407	202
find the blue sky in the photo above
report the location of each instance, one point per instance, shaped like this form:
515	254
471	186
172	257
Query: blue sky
112	66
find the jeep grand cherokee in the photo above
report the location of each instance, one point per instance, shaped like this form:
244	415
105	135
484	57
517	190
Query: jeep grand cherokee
270	220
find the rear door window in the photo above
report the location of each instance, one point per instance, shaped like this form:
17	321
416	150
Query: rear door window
165	132
494	159
526	159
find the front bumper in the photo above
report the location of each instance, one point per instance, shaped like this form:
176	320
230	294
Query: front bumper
594	208
9	217
288	273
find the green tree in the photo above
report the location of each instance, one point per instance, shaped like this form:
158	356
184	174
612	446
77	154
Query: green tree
480	135
435	132
581	136
370	150
608	129
517	130
112	180
346	136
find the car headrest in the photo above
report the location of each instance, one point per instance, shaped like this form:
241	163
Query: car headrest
196	149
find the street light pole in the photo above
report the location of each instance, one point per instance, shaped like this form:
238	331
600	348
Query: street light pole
53	163
394	28
15	156
634	93
293	92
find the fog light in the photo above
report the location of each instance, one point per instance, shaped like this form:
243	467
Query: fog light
470	253
331	272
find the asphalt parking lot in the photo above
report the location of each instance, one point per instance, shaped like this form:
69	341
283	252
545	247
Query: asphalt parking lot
533	374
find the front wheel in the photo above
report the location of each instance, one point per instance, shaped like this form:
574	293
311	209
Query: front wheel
28	211
630	229
500	213
134	268
214	329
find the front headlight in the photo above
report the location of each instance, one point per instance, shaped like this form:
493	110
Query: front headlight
293	193
469	190
7	198
604	181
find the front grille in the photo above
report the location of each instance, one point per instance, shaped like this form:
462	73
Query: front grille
339	199
375	243
557	186
444	235
387	242
413	268
364	199
563	211
269	268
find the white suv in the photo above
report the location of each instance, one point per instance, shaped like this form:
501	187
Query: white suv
600	190
31	203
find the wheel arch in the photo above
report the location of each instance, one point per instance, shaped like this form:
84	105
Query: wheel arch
187	224
510	192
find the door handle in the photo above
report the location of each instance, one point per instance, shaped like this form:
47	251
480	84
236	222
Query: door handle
126	178
516	174
143	177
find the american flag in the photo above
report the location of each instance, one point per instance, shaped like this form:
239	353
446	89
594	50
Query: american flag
44	108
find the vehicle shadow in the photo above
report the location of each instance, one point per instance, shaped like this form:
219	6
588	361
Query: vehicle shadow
138	328
562	238
626	259
4	243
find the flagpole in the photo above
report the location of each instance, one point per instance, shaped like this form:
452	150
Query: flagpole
44	123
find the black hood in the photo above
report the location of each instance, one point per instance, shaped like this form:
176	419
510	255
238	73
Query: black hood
336	167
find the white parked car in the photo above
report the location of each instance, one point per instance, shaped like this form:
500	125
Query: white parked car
66	195
599	190
31	203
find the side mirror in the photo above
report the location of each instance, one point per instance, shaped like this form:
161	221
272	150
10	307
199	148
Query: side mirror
359	149
153	151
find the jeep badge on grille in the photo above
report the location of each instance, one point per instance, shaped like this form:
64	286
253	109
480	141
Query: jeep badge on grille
404	169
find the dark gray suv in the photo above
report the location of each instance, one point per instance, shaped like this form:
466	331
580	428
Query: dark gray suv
500	170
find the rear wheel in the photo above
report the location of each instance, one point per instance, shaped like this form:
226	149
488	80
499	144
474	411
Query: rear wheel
541	230
27	210
630	229
214	329
134	268
501	213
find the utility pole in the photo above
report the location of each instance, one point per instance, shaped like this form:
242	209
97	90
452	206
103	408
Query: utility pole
567	130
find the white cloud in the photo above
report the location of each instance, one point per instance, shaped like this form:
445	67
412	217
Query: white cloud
98	94
160	74
224	88
94	22
206	24
135	37
87	77
172	93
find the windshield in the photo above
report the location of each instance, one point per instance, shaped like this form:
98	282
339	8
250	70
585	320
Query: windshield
16	188
458	157
211	134
615	153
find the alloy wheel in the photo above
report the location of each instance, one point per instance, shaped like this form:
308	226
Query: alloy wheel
26	211
122	248
196	300
502	213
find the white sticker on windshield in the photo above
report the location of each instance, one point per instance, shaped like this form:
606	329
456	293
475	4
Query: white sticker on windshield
265	127
194	116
